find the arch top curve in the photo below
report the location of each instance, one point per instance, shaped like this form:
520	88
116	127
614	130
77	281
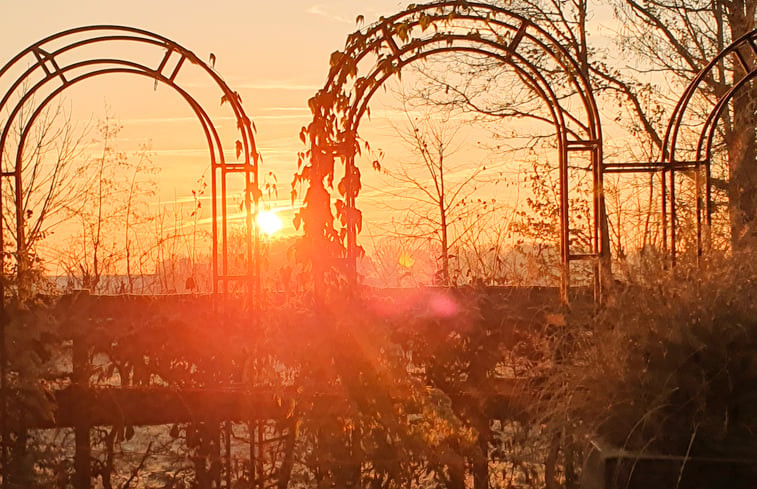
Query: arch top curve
93	33
742	54
45	69
56	57
388	44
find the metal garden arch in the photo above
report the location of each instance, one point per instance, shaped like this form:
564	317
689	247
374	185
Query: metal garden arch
442	27
680	155
60	61
743	53
64	59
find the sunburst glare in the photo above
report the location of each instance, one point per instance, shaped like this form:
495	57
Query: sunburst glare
269	223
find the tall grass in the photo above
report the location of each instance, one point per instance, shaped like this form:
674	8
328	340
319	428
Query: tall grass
669	365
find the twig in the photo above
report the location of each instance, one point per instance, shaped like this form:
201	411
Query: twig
686	457
138	467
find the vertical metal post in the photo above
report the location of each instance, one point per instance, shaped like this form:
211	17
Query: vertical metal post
214	223
564	223
21	254
603	265
664	204
708	203
3	387
599	224
3	355
673	216
224	231
227	453
699	208
216	462
259	460
251	430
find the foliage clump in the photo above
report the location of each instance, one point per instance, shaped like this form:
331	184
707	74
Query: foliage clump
669	365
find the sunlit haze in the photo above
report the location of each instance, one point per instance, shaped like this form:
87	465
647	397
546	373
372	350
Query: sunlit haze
308	244
276	56
269	222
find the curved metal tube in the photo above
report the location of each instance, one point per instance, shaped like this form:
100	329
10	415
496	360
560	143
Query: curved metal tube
704	143
373	41
676	120
104	34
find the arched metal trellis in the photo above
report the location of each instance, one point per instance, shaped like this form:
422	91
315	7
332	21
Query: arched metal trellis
697	158
39	73
466	27
743	54
63	60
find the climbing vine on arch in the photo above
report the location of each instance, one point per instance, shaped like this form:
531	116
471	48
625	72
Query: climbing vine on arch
385	48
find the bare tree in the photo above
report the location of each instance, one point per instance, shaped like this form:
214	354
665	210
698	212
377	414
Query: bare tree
112	213
437	191
94	254
679	38
135	215
49	187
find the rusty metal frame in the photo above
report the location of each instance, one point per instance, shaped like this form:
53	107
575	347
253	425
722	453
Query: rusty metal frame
700	159
69	74
387	46
703	155
53	70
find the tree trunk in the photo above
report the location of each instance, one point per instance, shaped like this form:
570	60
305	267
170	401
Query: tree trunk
742	191
285	474
481	458
445	247
456	469
743	170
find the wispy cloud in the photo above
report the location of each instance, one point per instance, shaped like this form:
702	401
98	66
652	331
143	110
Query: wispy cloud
181	151
273	117
286	151
288	109
320	11
277	85
258	85
274	113
171	120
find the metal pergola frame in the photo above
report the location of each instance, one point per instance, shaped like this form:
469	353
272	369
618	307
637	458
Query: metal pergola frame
54	68
577	132
47	73
500	34
744	53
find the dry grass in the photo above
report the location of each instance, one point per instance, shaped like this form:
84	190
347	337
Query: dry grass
668	366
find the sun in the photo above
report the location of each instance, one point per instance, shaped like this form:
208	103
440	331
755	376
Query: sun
269	223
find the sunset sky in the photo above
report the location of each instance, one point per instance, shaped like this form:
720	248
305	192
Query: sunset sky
274	54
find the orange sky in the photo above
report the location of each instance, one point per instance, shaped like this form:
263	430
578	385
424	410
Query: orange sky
275	54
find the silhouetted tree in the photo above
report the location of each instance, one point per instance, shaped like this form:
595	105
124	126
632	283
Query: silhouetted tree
680	38
439	199
49	189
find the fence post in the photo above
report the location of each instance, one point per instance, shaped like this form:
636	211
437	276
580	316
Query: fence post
80	391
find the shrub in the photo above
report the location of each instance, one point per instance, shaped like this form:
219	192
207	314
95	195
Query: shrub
669	365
